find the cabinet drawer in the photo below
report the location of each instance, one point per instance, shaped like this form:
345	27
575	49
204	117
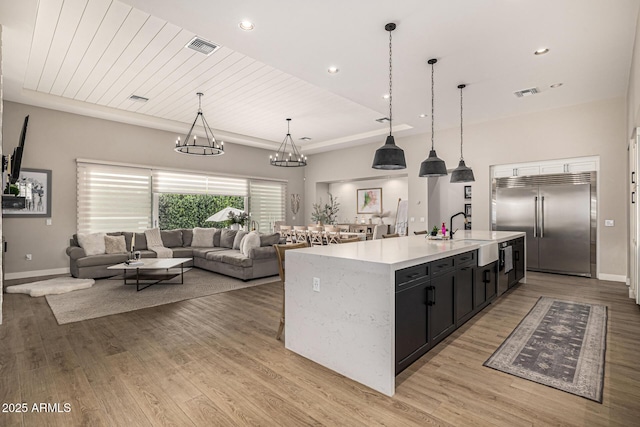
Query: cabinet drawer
411	274
466	258
441	266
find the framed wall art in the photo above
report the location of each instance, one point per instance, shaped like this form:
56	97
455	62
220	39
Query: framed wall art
369	200
467	191
35	186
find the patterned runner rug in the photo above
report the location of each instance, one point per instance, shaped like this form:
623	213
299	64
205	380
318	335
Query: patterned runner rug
560	344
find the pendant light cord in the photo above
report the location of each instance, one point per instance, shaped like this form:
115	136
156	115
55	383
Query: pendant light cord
390	86
461	131
432	107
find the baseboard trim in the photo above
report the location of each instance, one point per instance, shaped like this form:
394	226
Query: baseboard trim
613	277
36	273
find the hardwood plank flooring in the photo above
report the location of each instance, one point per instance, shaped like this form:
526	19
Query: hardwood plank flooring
214	361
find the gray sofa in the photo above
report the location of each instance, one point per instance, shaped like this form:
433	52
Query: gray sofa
221	258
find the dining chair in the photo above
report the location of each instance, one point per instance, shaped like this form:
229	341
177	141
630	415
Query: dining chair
316	236
349	239
286	233
331	234
299	233
378	231
388	236
280	250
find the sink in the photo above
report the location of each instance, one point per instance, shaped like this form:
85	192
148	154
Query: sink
487	252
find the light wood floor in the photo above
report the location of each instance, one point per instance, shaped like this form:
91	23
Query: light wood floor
214	361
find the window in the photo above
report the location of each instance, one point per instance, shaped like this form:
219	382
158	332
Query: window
113	198
192	210
267	203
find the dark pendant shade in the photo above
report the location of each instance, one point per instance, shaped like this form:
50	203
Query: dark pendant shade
432	166
389	156
462	173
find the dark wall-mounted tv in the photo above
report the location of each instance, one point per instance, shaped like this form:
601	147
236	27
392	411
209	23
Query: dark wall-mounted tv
16	158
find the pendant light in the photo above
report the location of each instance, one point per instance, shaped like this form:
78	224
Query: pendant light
210	148
288	155
389	156
462	173
432	166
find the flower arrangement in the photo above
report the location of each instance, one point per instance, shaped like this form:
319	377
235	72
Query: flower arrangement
327	213
240	218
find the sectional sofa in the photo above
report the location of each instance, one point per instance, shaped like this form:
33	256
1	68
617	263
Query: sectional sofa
222	255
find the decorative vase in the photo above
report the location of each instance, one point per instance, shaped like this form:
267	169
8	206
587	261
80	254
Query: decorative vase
235	226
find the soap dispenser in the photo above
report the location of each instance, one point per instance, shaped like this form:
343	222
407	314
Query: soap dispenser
444	230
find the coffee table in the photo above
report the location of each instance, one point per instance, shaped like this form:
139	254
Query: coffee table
155	270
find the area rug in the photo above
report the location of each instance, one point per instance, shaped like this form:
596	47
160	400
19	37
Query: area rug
560	344
58	285
111	296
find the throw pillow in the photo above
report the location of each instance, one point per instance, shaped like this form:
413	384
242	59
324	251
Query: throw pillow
141	242
92	243
238	239
227	237
269	239
250	241
153	237
115	245
187	237
216	238
203	237
171	238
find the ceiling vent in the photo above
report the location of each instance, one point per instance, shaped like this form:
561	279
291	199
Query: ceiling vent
138	98
383	120
203	46
526	92
305	138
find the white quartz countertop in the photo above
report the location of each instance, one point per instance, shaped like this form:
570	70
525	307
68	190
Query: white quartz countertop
405	251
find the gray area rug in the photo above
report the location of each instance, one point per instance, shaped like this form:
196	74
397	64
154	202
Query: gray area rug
560	344
111	296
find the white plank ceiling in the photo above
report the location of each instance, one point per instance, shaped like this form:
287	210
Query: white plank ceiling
89	56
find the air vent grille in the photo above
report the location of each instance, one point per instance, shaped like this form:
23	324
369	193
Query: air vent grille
305	138
138	98
551	179
203	46
383	120
526	92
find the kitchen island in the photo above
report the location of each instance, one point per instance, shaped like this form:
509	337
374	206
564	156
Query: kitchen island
340	300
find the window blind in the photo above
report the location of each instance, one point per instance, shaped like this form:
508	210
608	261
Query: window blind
113	198
186	183
267	203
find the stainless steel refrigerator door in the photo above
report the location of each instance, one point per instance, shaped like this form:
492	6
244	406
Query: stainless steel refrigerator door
564	242
516	211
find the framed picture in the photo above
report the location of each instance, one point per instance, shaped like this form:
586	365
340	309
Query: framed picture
467	191
467	225
369	200
35	187
467	209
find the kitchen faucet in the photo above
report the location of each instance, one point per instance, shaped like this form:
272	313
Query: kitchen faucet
451	232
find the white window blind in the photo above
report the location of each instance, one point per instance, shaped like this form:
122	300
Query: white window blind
186	183
267	203
113	198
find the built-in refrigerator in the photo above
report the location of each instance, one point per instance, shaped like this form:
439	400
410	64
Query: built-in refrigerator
558	214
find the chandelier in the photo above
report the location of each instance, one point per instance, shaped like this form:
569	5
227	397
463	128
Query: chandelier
189	146
288	155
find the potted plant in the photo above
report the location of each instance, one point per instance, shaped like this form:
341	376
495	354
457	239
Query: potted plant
325	213
237	221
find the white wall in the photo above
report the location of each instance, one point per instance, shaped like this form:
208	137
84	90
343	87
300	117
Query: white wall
56	139
633	94
596	128
446	199
392	189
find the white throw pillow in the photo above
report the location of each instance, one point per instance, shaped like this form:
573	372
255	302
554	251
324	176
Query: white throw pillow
203	237
92	243
250	241
153	237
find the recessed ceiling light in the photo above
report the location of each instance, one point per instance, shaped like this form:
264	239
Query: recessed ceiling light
246	25
541	51
333	70
555	85
385	96
422	116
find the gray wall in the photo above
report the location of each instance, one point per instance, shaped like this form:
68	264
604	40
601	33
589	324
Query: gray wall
633	93
56	139
1	114
596	128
